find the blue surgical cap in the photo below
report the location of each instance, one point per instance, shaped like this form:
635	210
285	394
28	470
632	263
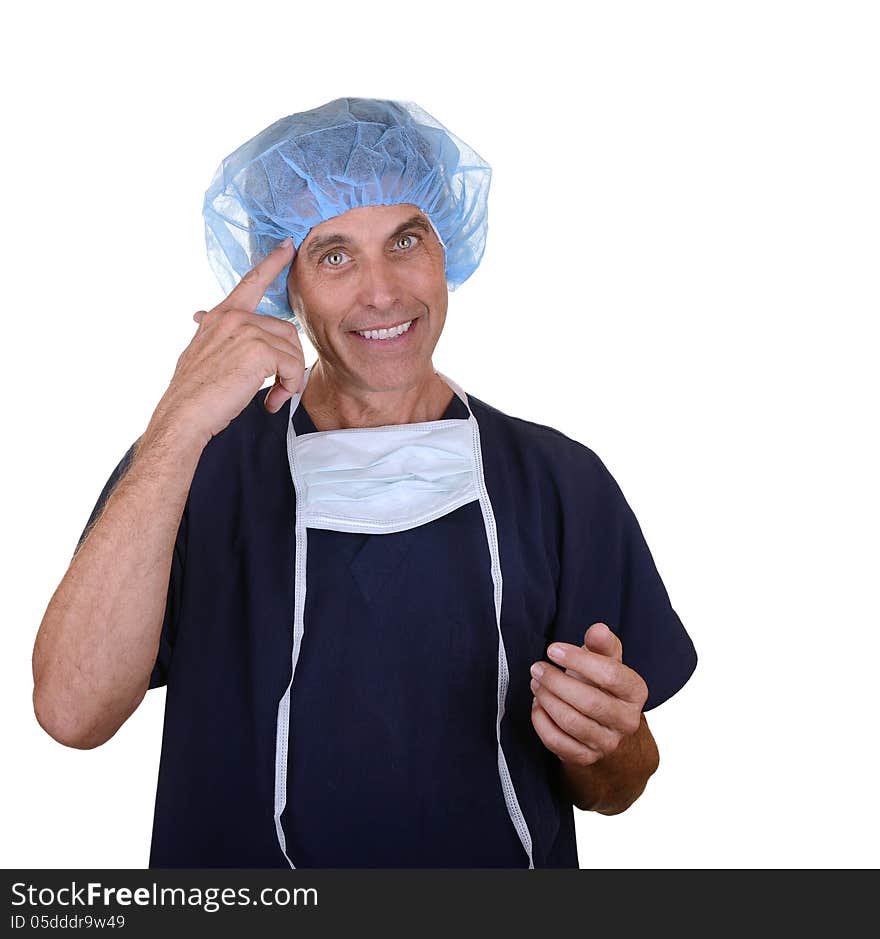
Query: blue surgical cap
312	166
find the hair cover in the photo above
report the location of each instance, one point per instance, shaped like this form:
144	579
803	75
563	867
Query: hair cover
312	166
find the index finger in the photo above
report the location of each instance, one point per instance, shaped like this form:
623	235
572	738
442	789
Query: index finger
248	292
598	669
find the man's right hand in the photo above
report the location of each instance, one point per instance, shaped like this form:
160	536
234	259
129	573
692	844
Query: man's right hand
232	353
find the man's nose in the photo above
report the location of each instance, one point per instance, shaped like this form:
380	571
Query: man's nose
379	284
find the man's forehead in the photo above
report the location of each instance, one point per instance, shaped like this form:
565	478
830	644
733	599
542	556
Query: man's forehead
335	230
367	214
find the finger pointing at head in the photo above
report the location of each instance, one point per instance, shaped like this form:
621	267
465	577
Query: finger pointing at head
248	293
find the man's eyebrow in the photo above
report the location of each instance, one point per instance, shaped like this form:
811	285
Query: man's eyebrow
327	241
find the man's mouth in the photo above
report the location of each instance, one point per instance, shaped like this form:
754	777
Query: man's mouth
392	334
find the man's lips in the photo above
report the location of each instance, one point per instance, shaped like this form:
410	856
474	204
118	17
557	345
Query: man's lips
391	342
367	329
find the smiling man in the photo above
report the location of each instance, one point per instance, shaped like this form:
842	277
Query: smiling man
398	627
369	288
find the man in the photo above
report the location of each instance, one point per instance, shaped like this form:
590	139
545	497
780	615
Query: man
398	627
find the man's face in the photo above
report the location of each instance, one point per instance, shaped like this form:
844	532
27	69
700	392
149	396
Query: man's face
372	268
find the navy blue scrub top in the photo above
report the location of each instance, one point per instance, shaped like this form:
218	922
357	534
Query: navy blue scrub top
393	757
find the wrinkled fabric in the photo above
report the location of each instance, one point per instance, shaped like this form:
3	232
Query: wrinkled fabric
309	167
413	473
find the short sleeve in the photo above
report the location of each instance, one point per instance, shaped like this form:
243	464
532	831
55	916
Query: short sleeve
159	674
608	574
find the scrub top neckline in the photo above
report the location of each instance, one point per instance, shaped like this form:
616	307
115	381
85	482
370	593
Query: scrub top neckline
303	423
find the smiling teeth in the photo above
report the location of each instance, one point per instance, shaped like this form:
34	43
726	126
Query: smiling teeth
385	333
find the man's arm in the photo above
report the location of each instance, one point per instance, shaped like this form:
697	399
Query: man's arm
100	634
611	785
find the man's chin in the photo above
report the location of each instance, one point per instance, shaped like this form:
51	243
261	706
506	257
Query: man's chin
398	376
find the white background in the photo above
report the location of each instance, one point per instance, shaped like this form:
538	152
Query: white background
681	273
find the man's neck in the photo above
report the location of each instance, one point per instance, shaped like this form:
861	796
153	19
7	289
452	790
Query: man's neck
334	407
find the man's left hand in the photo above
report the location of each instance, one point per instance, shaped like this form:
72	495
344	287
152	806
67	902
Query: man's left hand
582	713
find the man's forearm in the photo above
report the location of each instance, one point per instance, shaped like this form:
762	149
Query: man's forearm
100	633
612	784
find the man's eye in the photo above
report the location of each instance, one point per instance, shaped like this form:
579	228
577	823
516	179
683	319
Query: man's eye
334	254
409	239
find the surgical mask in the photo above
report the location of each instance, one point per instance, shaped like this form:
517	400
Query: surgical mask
378	480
